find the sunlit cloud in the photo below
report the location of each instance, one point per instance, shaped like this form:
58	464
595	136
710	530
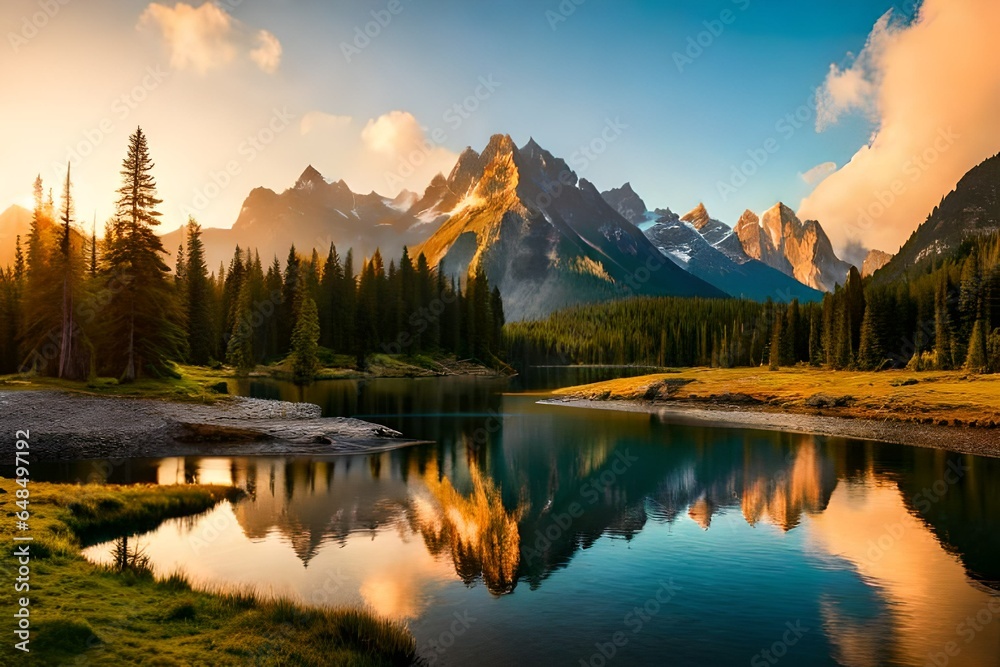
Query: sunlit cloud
268	54
855	87
387	154
206	38
818	173
934	87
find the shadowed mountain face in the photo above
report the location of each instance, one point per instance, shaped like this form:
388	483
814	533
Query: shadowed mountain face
972	209
629	204
313	214
546	238
798	249
709	249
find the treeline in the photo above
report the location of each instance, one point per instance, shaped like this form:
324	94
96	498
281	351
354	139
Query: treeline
75	306
248	316
947	318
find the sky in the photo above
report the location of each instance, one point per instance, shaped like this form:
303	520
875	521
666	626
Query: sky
836	109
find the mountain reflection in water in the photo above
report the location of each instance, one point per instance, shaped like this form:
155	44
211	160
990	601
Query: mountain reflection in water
887	550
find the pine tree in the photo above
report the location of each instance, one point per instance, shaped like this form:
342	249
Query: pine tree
870	354
815	340
69	269
329	303
305	342
290	295
844	355
239	351
942	331
977	361
19	264
272	289
777	341
92	268
198	300
142	325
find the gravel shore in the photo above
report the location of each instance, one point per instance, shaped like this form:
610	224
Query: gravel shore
967	440
68	426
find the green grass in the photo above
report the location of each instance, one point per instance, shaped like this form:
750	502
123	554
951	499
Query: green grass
96	615
192	384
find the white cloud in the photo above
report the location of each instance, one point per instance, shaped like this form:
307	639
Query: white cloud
934	88
855	87
818	173
387	154
205	38
267	55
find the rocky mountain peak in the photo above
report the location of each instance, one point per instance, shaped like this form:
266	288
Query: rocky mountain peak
874	261
801	250
310	177
698	216
627	203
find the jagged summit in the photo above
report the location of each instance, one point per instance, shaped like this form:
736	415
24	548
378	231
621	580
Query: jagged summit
628	204
698	216
310	176
799	249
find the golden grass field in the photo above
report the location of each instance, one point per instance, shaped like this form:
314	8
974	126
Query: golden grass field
928	397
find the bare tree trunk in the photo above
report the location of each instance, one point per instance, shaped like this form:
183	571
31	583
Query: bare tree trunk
130	367
65	349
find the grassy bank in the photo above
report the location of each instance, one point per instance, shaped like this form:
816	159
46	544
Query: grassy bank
83	611
952	398
200	384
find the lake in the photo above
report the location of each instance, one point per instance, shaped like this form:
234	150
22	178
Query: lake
540	534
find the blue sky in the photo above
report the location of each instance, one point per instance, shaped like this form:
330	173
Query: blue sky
204	78
561	79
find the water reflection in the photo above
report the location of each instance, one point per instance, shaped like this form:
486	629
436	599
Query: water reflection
885	550
478	533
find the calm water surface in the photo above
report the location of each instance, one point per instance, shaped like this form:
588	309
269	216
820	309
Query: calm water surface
532	534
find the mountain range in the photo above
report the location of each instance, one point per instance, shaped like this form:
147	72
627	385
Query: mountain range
547	238
709	250
313	213
550	239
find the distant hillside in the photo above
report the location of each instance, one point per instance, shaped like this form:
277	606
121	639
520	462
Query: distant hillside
314	213
972	209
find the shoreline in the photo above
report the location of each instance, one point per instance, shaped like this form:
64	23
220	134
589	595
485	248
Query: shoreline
70	426
963	440
947	410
